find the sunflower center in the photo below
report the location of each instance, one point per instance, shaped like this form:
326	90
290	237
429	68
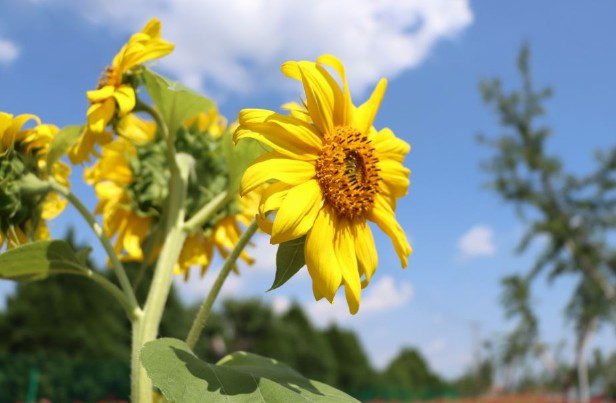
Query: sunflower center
347	172
109	77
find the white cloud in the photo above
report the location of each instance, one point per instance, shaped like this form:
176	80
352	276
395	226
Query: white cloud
264	254
383	295
237	46
9	51
477	241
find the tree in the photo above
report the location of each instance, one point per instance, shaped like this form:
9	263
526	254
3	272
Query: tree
575	212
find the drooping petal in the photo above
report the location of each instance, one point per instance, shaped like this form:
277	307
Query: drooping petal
297	212
344	246
320	255
383	215
136	129
365	249
101	94
99	115
274	166
125	97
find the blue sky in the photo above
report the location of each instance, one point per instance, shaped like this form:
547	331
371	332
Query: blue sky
434	54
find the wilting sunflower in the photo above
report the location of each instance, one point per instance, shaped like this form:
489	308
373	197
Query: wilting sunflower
333	173
115	96
24	207
132	182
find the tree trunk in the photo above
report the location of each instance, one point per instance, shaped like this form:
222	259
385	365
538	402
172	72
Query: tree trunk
585	332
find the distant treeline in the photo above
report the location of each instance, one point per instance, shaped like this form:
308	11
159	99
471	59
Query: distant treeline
64	337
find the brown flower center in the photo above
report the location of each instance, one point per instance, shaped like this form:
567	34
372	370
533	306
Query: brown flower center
347	172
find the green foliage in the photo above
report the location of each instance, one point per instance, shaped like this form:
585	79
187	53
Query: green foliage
175	102
35	260
239	156
409	370
289	259
61	143
353	370
241	377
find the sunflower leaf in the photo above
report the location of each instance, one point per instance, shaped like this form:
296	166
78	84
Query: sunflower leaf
239	156
238	377
289	259
61	143
34	261
175	102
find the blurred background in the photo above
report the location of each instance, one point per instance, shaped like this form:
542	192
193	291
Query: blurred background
510	111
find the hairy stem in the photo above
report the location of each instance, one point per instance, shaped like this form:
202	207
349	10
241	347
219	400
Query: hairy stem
204	311
206	212
118	268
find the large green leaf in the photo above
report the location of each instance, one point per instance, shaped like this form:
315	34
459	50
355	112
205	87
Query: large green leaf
239	156
238	377
61	143
175	102
34	261
289	259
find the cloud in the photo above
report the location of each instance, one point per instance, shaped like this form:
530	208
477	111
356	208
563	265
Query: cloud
477	241
435	346
237	46
263	253
9	51
384	295
280	304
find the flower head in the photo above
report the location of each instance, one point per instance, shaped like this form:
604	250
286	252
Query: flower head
25	200
131	180
115	94
333	173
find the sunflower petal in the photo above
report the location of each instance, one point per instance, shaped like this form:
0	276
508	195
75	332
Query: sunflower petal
321	257
125	97
388	145
297	212
344	246
383	215
364	115
274	166
367	257
395	177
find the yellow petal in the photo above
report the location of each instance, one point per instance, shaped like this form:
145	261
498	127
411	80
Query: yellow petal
274	166
320	256
101	94
344	106
363	117
273	197
319	93
125	97
367	258
99	115
383	215
284	134
395	177
136	129
344	247
297	212
388	145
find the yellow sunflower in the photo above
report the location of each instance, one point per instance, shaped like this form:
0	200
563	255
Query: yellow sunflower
333	173
111	176
198	249
114	96
212	122
23	152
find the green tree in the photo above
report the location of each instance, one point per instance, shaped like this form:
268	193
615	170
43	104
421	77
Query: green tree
409	370
576	213
353	370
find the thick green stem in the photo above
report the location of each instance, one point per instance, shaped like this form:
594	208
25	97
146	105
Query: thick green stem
145	328
206	308
113	257
206	212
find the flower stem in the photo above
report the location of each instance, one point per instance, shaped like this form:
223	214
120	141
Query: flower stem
145	328
206	212
204	311
113	257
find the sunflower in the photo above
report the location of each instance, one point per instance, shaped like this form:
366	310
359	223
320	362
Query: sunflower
131	182
114	96
333	172
198	249
23	164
